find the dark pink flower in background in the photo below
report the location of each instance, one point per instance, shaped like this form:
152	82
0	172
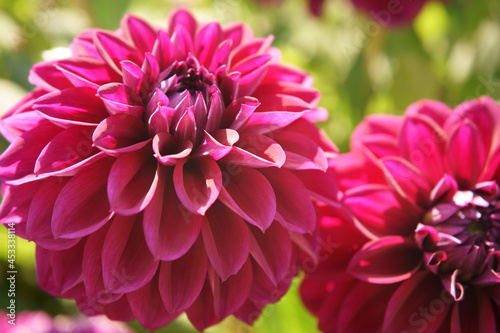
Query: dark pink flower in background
421	251
162	171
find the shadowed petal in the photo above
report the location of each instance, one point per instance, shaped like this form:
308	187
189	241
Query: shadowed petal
169	228
473	314
113	50
168	150
147	306
127	264
82	205
293	204
119	98
181	280
251	196
257	151
218	144
197	183
301	152
201	314
226	239
386	260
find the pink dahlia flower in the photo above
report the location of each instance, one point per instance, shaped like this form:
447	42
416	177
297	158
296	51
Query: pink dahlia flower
417	247
165	170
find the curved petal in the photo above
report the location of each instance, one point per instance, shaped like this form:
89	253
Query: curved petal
197	183
320	185
119	98
294	209
239	111
248	193
113	50
72	106
218	144
132	182
466	154
182	280
169	228
16	201
301	152
201	314
168	150
82	205
38	225
120	133
68	148
19	159
422	143
435	110
147	306
419	303
229	295
59	272
46	76
206	42
378	212
256	151
127	264
182	17
272	250
139	32
386	260
87	72
226	239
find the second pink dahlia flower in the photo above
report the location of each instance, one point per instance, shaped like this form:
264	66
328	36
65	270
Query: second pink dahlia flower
165	170
420	244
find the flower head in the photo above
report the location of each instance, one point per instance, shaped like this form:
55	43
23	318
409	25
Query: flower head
423	190
165	170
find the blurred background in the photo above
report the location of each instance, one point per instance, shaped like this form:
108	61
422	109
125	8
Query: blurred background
451	52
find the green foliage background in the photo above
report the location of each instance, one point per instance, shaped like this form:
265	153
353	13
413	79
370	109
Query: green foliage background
450	53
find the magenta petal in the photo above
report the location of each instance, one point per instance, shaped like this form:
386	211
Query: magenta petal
127	264
87	72
422	143
163	50
378	211
229	295
21	118
272	250
120	133
386	260
309	95
119	98
320	185
132	182
16	201
218	144
82	205
422	291
182	17
181	280
134	82
474	313
256	151
252	71
466	155
197	182
147	306
226	239
113	50
19	159
139	32
38	226
293	204
201	314
168	150
92	268
239	111
206	42
58	272
250	195
72	106
301	152
44	75
435	110
71	146
169	228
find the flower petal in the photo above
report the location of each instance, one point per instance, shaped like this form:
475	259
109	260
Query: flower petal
168	150
422	143
147	306
127	264
197	182
72	106
293	204
132	182
169	228
218	144
139	32
206	42
248	193
466	155
113	50
386	260
226	240
415	303
272	250
87	72
301	152
82	205
182	280
201	314
257	151
229	295
120	98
